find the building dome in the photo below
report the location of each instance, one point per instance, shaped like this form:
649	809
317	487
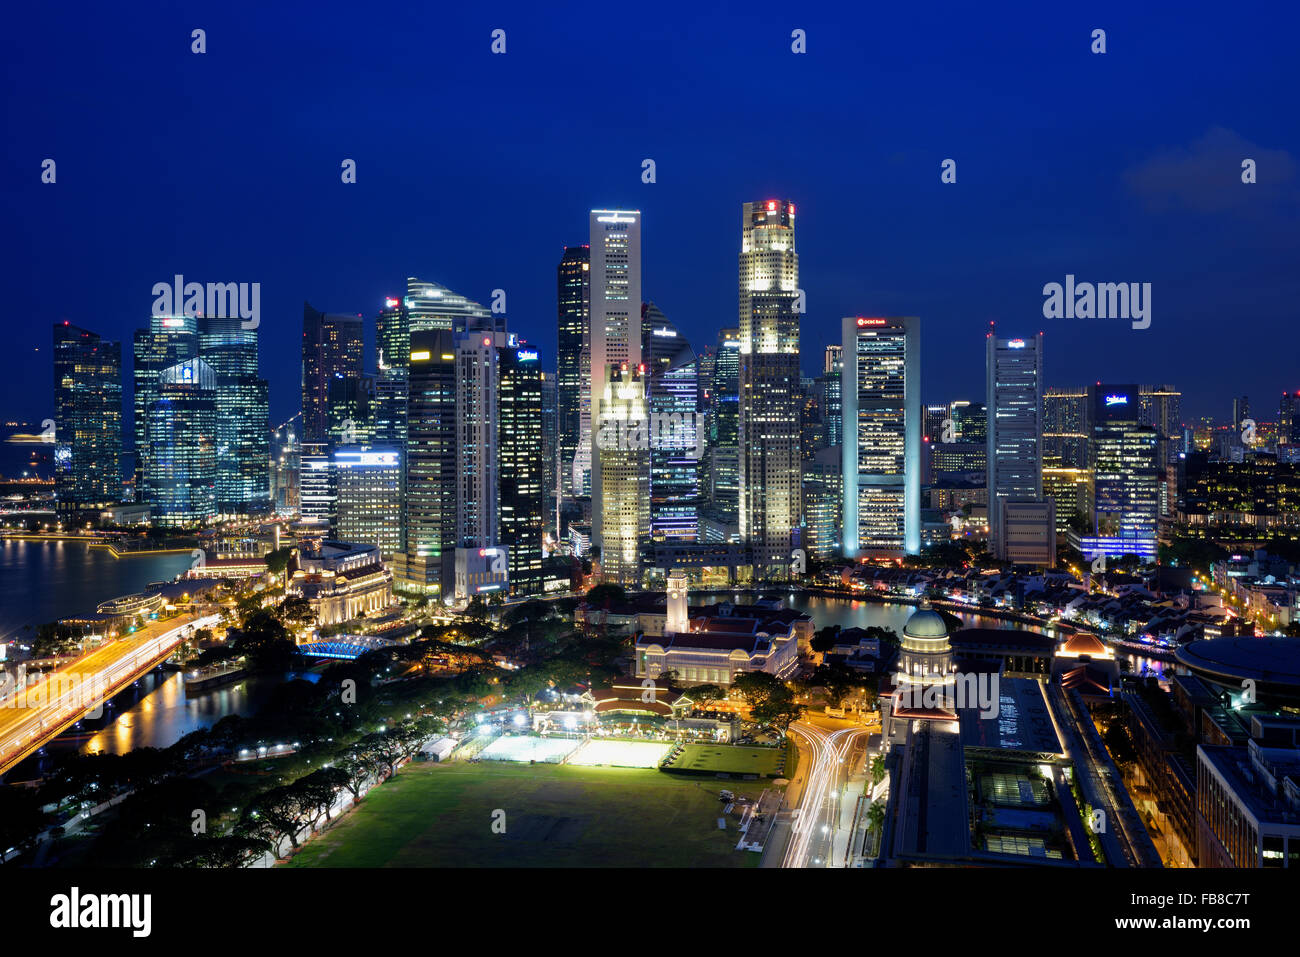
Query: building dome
925	623
1084	644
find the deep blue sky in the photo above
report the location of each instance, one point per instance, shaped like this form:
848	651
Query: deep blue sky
474	170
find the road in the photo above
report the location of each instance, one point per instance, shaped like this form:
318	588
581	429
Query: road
819	834
31	716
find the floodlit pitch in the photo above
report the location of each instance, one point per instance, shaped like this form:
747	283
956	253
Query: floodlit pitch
529	748
620	754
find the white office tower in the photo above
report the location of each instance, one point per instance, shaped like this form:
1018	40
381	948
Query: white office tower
1014	405
623	463
770	486
615	337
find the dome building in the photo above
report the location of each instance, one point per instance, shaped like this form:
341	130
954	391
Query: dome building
924	682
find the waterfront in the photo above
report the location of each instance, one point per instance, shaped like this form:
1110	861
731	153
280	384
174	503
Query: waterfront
43	581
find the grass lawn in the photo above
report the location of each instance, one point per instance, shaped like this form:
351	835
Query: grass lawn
729	759
440	815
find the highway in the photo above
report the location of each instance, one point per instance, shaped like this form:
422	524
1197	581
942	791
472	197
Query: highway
818	818
31	716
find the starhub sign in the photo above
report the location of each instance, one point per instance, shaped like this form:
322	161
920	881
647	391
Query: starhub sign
216	300
1103	300
976	690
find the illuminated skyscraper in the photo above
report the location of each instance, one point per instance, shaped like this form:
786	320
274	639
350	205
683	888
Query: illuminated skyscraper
167	341
368	508
573	390
615	344
522	473
724	430
87	419
882	436
393	351
1065	427
624	465
432	306
1014	408
676	442
1126	475
770	475
243	427
181	468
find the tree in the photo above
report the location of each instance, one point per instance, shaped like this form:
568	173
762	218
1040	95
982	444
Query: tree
21	819
606	594
222	852
277	562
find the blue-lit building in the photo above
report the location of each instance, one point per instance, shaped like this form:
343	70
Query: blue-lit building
181	465
87	418
1124	457
881	394
676	439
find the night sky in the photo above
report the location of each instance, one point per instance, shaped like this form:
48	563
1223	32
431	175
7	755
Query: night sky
474	170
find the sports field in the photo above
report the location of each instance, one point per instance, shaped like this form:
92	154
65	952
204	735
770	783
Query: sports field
441	815
728	759
620	754
527	747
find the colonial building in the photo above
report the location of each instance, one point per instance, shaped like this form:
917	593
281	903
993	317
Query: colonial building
342	580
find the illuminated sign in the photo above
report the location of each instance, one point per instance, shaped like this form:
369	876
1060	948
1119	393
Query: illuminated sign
1116	400
526	355
664	332
390	303
172	323
771	206
870	322
419	356
614	217
1016	344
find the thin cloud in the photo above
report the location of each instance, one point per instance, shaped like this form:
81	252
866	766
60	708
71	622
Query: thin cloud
1206	176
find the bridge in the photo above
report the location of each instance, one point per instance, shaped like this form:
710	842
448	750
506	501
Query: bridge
33	715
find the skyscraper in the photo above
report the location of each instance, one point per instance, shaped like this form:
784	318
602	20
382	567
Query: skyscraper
676	442
181	468
522	473
1126	476
167	341
1014	406
882	436
1066	431
433	306
332	350
243	427
615	350
393	356
573	358
368	508
724	430
431	472
87	419
624	457
770	475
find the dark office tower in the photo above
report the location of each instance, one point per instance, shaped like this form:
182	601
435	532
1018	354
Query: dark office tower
882	436
333	347
573	382
830	400
770	474
181	469
87	419
351	412
1240	412
1066	431
676	430
1014	425
167	341
427	565
971	421
724	430
1288	419
1126	475
812	429
550	443
393	351
1158	407
243	433
522	474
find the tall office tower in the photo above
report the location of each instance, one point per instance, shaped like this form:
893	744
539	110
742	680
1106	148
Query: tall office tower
770	475
1240	412
87	419
573	390
167	341
829	399
615	325
181	468
677	439
623	464
834	358
970	421
431	472
823	502
812	429
1126	475
724	430
351	412
478	384
286	461
882	436
523	468
1070	490
1066	431
368	507
1159	407
550	446
317	488
393	356
1014	464
332	349
243	427
1288	420
431	306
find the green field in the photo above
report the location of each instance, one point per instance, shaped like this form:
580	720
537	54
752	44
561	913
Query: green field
440	815
729	759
